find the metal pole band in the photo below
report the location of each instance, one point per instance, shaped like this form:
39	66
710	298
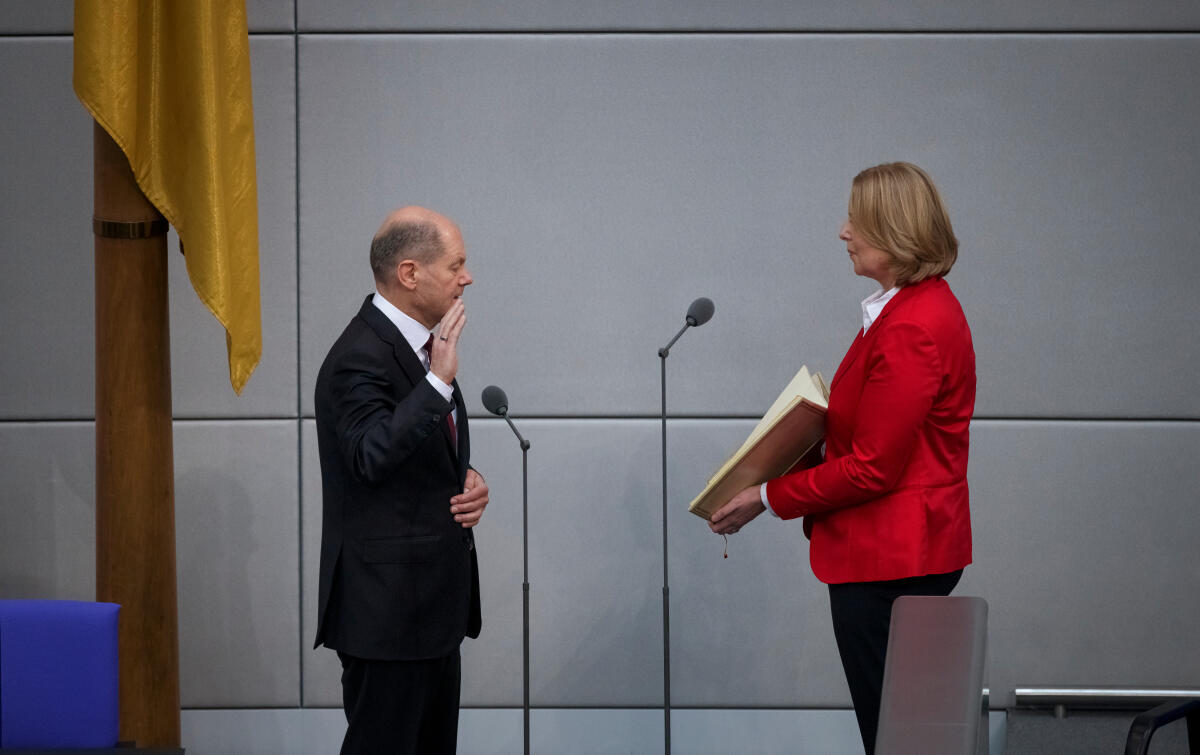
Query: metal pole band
141	229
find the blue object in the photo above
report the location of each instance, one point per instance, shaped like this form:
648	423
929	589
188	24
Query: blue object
58	674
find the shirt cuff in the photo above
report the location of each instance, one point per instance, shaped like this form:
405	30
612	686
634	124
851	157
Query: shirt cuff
446	391
762	493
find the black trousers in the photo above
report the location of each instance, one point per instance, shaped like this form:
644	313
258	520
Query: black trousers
862	617
401	707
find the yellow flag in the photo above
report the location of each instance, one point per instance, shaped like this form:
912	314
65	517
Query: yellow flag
169	80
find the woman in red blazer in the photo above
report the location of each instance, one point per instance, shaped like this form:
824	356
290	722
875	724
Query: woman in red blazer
887	510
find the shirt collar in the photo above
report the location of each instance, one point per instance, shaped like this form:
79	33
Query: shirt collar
874	304
414	332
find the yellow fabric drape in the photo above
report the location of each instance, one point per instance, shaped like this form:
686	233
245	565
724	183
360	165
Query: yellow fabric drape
169	80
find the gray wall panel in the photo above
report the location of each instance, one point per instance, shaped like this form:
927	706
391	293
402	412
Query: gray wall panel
918	15
595	563
596	731
262	732
1085	536
765	732
237	518
271	15
321	669
47	265
753	629
602	182
319	732
491	663
57	16
36	16
46	261
48	510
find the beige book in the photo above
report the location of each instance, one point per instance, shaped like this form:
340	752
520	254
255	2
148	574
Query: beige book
793	425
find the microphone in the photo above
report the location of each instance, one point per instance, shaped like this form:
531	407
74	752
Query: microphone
699	312
496	402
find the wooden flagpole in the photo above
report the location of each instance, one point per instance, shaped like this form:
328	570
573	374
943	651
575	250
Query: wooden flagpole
135	479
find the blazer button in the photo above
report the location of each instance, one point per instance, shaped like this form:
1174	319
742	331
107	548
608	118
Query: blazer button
469	542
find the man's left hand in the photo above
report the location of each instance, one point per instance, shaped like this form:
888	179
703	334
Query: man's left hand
468	506
738	512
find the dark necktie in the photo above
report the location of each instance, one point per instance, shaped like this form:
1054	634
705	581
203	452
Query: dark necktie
449	417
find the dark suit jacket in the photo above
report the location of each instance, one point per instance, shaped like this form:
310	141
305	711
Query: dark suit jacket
399	577
890	501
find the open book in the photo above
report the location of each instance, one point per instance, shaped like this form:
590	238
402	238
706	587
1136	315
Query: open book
789	430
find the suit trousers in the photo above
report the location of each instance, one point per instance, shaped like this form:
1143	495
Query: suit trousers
401	707
862	617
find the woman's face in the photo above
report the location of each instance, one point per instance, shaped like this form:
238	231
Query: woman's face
868	261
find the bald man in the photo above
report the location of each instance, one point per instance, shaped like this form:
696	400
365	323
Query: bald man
399	581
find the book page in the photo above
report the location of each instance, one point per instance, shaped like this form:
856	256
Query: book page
803	385
776	451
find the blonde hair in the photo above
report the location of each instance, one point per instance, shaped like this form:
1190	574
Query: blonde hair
896	207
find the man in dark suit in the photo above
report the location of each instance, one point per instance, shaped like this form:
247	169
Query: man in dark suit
399	581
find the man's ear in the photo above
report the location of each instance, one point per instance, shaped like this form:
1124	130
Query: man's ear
406	274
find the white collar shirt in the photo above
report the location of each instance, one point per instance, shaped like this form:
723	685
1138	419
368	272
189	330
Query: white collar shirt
874	304
416	335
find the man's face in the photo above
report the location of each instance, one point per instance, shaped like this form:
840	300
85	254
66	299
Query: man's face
442	281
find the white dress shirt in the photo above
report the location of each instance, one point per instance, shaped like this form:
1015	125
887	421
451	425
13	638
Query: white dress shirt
416	335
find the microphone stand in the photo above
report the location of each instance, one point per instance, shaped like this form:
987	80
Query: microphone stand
663	353
699	312
496	402
525	573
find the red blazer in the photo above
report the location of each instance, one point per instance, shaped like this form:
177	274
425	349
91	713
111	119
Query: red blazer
890	500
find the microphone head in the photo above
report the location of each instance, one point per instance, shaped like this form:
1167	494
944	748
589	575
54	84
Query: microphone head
700	312
495	401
